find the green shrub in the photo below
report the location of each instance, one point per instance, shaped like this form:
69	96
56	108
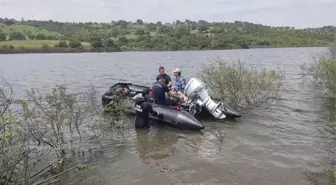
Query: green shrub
236	84
322	73
75	44
46	132
62	44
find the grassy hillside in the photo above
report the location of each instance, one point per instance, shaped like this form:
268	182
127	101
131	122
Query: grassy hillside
27	30
187	35
35	43
29	43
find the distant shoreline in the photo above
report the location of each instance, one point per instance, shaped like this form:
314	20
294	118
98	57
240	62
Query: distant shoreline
50	50
32	36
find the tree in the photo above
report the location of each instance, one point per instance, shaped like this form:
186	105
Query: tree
123	40
122	23
30	35
112	45
187	21
172	43
75	44
189	34
202	22
151	27
263	43
95	38
181	30
139	32
203	27
97	44
50	37
9	22
139	21
115	32
40	36
165	29
62	44
3	36
17	36
243	44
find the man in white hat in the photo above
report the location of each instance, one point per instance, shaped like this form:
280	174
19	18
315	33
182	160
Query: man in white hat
179	83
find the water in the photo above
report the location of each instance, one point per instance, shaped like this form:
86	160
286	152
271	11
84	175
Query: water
269	145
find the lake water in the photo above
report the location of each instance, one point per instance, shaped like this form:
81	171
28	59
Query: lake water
272	144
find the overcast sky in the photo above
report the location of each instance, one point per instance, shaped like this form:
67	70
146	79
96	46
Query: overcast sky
297	13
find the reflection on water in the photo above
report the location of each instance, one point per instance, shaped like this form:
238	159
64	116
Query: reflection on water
155	146
270	144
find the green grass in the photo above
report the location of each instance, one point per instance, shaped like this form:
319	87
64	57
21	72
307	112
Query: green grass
34	43
26	29
29	43
131	36
194	31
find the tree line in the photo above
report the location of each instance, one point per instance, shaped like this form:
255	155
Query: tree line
180	35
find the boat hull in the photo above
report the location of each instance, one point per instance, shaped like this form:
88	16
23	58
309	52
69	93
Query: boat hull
173	117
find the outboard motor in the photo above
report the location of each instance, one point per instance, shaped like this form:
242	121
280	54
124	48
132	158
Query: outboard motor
198	94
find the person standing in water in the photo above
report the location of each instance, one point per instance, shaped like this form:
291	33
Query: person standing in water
143	108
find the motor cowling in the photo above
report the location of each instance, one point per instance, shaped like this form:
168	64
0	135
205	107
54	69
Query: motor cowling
197	93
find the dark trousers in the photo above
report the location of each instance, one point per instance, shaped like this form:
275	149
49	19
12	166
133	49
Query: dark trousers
171	102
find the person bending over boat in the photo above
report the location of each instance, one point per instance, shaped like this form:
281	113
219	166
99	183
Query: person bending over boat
159	90
142	108
112	97
162	72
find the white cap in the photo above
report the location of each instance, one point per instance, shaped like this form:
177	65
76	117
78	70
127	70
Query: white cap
177	70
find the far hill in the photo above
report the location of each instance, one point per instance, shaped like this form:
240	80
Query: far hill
138	36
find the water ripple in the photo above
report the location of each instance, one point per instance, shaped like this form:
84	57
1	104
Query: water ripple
271	144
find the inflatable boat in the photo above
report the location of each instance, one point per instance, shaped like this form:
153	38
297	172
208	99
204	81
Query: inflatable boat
184	116
170	115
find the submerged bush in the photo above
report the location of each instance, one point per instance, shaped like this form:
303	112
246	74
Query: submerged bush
45	131
327	176
322	73
239	85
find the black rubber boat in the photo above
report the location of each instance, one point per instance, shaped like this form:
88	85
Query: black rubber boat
199	104
173	116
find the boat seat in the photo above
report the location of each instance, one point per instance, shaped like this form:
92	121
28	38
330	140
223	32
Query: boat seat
176	107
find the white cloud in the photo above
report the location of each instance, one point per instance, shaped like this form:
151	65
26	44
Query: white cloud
271	12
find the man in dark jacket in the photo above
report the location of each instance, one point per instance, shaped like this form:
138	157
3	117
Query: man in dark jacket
159	90
143	107
163	73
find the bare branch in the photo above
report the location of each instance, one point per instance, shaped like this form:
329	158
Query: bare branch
46	126
6	95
